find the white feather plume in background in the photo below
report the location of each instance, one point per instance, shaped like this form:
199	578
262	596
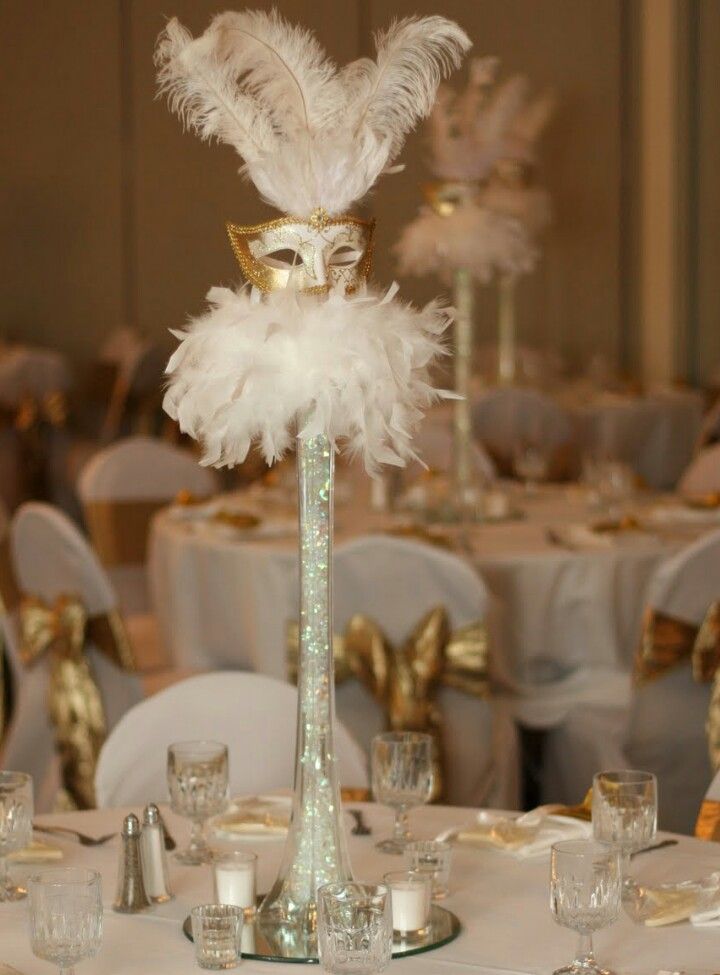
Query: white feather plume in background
356	368
309	135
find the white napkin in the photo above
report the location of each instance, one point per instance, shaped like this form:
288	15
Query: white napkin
521	837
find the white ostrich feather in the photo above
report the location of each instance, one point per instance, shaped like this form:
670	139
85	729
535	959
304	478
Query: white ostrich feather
528	204
355	369
474	238
309	135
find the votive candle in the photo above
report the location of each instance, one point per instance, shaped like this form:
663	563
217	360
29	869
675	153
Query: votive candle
234	872
410	894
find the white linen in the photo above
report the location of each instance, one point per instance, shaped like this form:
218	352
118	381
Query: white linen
51	558
503	834
502	904
254	715
663	729
703	474
713	793
141	469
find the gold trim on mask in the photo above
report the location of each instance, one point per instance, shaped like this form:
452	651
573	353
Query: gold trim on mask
268	278
444	196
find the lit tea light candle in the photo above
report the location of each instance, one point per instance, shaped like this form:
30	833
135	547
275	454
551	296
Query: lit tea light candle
234	873
410	894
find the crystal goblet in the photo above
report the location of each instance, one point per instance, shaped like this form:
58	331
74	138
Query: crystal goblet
66	916
16	813
584	896
354	928
402	777
197	773
624	812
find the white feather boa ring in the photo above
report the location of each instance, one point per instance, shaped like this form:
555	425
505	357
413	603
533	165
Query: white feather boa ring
472	237
355	369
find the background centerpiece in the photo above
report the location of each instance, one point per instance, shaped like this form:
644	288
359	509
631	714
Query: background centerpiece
306	350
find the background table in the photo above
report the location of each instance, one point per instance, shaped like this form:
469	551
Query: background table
502	904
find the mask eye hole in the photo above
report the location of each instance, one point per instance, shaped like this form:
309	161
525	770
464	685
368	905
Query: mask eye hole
344	256
282	259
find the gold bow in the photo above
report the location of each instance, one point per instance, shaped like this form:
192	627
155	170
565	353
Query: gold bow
405	680
667	643
75	706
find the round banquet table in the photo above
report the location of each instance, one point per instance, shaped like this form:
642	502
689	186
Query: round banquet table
223	598
502	904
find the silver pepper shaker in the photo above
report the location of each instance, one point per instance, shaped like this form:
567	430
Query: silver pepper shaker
152	856
131	895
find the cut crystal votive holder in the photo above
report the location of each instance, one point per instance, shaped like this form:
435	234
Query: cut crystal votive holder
217	933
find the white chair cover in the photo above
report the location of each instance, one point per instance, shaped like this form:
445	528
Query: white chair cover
713	793
703	474
508	415
51	558
141	469
434	445
663	730
253	714
396	582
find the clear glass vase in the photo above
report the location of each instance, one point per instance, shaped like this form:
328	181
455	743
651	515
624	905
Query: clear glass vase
466	489
316	849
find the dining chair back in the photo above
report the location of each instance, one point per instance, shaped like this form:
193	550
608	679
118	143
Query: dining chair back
703	474
395	583
121	489
50	559
254	715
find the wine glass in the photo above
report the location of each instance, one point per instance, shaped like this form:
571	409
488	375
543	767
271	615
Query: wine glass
402	777
16	813
584	896
66	916
531	465
624	812
197	773
354	928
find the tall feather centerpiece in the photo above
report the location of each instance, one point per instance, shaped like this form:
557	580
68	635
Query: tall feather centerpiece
306	350
479	223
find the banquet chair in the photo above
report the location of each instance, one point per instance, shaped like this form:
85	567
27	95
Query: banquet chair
663	729
703	474
434	445
254	715
707	826
121	488
508	417
51	559
394	583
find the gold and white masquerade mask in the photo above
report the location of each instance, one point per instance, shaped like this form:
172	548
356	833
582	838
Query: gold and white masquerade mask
316	256
445	196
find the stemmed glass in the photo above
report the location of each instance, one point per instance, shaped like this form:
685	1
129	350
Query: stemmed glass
197	773
584	896
531	464
16	813
66	916
354	928
402	777
624	812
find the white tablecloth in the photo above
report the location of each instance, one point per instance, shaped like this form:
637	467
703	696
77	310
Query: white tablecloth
502	904
224	601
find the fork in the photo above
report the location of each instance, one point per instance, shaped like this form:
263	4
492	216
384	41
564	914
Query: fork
82	838
360	828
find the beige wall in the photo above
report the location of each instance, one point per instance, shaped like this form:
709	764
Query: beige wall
110	212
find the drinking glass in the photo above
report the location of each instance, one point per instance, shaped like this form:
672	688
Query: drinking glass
624	812
354	928
431	857
66	916
402	777
217	933
197	773
584	896
531	464
16	813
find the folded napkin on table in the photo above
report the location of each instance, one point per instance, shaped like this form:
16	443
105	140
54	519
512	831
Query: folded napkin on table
655	902
36	852
255	815
524	836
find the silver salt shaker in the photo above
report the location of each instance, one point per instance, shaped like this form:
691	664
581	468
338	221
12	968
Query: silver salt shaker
152	855
131	894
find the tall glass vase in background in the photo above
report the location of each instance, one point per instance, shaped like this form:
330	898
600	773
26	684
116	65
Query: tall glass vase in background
315	850
507	339
462	444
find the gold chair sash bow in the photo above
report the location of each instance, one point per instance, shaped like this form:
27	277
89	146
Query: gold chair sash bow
666	643
405	679
75	706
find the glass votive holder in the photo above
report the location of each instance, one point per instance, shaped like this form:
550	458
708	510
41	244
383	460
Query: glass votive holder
234	877
410	895
217	933
431	857
354	928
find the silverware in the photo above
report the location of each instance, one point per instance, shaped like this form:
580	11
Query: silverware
657	846
82	838
360	828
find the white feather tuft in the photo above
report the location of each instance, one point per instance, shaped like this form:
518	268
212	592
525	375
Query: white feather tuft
354	369
474	238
